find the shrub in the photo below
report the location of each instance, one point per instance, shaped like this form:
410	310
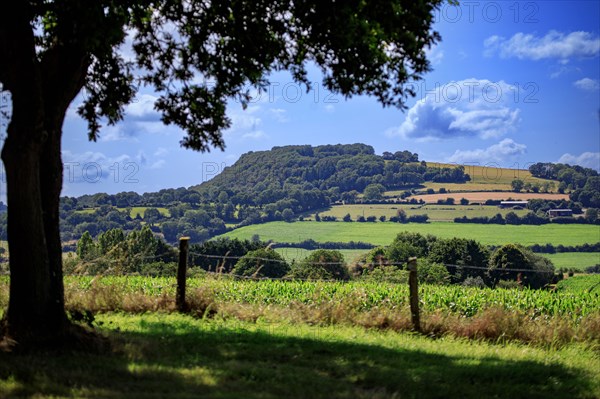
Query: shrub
322	264
432	273
261	263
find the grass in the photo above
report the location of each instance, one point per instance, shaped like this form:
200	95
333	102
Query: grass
297	254
589	283
438	213
575	260
384	233
141	210
177	356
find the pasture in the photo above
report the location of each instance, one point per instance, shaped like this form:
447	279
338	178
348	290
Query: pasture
437	213
574	260
383	233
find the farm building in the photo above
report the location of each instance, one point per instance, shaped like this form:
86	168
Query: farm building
512	204
560	212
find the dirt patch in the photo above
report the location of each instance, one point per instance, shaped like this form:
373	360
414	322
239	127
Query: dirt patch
482	196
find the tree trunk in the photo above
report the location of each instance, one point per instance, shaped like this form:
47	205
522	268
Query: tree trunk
32	312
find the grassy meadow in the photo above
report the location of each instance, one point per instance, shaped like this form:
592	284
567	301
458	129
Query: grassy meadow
383	233
438	213
575	260
177	356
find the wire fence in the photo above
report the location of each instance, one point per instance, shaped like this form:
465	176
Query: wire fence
116	257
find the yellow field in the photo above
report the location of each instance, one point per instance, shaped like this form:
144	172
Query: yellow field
482	196
483	178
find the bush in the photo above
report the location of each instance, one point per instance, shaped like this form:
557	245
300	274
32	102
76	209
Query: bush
322	264
261	263
432	273
511	256
388	274
474	282
593	269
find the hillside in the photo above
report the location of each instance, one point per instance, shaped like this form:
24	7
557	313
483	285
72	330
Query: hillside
340	172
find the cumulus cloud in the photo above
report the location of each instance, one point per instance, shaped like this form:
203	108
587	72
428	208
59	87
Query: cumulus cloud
142	107
553	45
587	160
468	108
92	166
504	150
587	84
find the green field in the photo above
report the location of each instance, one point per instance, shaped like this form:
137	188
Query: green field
587	284
140	210
177	356
575	260
439	213
384	233
297	254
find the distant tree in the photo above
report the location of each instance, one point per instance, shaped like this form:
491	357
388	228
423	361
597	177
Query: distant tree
591	215
517	185
515	263
321	264
261	263
382	218
86	247
152	215
347	218
287	215
464	201
373	192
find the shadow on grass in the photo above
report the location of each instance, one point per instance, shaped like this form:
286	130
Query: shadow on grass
175	362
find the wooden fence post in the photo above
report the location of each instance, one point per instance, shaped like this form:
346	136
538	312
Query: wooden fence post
182	273
414	293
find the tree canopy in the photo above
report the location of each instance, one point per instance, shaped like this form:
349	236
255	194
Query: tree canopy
196	55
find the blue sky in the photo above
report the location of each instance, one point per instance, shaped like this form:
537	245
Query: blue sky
513	83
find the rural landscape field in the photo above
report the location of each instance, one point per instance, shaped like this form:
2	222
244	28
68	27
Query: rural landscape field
375	199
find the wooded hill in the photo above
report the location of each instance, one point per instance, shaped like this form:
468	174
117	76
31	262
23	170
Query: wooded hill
338	172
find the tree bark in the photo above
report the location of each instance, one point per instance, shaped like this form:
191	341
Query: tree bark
41	93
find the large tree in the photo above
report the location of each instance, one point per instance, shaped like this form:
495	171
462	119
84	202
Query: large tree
196	55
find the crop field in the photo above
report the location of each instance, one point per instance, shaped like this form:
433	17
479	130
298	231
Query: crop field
439	213
575	260
384	233
317	339
487	178
586	284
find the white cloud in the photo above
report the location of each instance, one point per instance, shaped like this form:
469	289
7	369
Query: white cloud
255	135
158	164
553	45
434	55
92	166
161	152
279	114
329	108
587	84
502	151
587	160
142	107
468	108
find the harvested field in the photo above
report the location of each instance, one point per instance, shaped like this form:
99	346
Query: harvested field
487	195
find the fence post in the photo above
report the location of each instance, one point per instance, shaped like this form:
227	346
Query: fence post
182	273
414	293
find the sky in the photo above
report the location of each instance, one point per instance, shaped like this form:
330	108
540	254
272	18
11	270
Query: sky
513	83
